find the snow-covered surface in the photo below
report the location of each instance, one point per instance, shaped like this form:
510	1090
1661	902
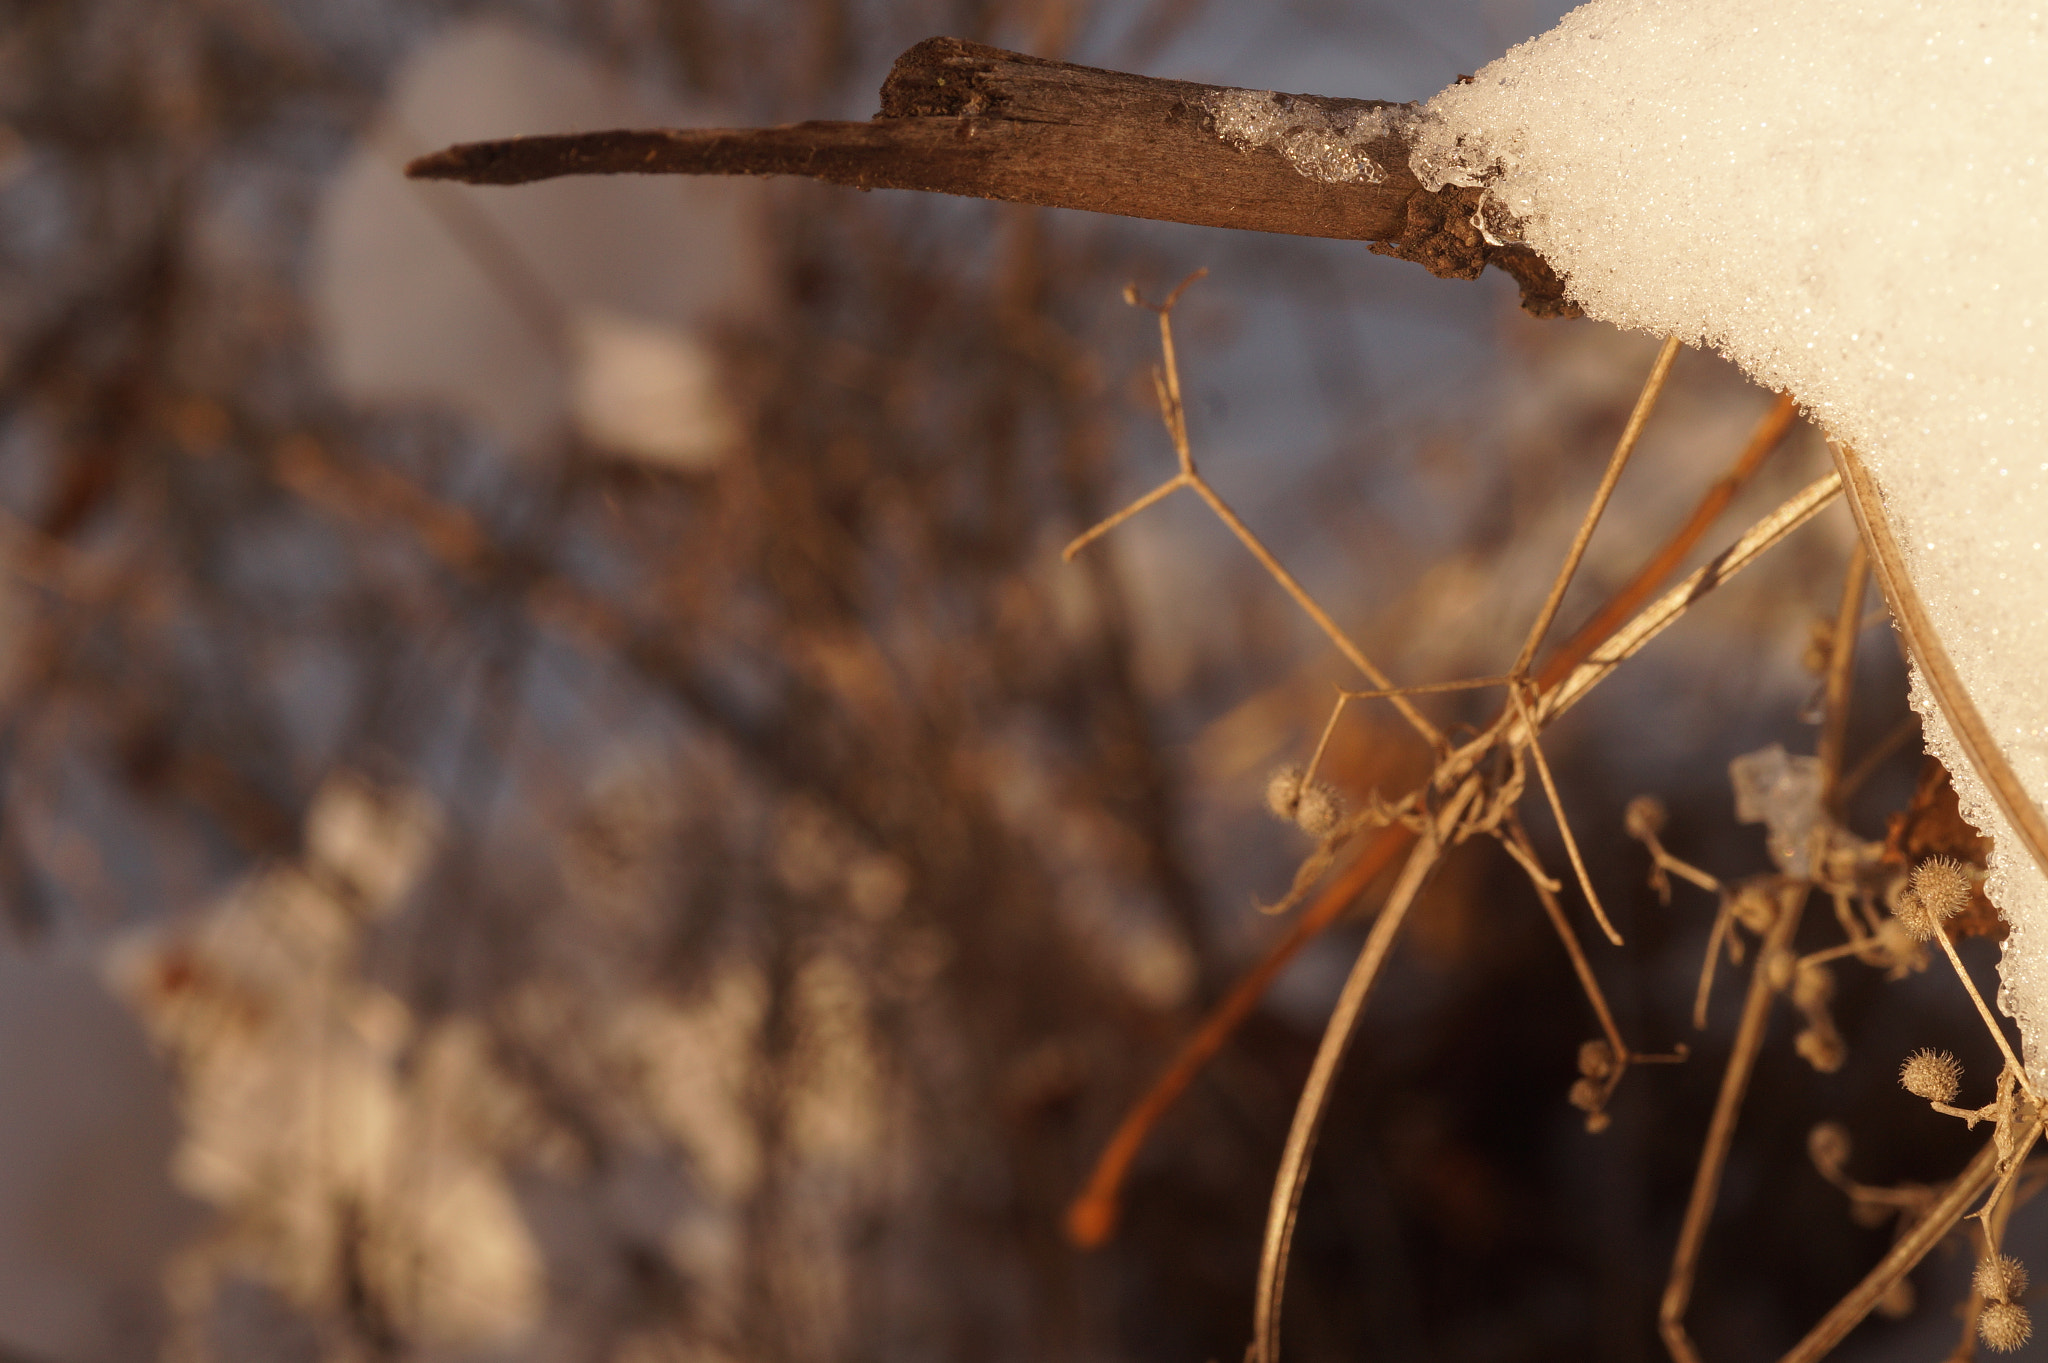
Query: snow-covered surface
1846	199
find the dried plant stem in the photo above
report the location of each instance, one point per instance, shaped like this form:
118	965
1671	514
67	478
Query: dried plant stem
1315	758
1706	1185
1429	688
1517	842
1763	441
1564	827
1707	967
1904	1256
1315	1095
1834	730
1901	734
1646	402
1103	527
2028	823
1995	1211
1654	619
1997	1033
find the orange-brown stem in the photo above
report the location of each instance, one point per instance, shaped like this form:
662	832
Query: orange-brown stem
1092	1218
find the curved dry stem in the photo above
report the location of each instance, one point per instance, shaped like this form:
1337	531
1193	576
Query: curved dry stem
1564	827
2021	813
1315	1095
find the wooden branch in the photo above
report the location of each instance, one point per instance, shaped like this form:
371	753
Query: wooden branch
961	118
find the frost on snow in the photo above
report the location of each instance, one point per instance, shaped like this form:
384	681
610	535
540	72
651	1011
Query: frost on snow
1847	200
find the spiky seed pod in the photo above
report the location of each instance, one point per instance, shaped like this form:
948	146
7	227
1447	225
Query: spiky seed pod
1644	817
1828	1146
1943	888
1283	793
1931	1074
2001	1278
2004	1326
1596	1059
1317	810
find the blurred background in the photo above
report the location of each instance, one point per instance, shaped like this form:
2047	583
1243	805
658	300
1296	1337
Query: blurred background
558	802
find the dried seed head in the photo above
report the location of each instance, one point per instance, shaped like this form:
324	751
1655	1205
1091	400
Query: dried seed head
1828	1146
1812	986
1283	793
2000	1278
1943	888
1933	1075
2004	1326
1318	809
1644	818
1821	1048
1754	906
1596	1059
1779	968
1586	1095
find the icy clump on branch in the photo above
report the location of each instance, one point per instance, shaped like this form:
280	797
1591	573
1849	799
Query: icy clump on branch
1846	199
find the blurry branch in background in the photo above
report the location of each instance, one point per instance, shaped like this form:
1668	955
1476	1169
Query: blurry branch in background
961	118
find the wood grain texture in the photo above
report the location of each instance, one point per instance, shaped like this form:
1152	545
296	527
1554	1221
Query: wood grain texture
961	118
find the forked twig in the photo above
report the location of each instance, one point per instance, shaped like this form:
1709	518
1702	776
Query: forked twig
1173	413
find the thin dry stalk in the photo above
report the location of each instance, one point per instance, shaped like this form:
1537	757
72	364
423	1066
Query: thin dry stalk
1706	1185
1769	434
1564	827
1315	1095
1646	402
1518	844
1705	991
1991	1023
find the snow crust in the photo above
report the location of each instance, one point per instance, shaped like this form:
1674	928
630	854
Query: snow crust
1847	200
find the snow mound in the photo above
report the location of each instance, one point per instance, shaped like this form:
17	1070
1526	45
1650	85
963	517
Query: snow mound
1847	200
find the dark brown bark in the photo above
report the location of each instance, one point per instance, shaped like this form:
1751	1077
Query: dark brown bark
961	118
